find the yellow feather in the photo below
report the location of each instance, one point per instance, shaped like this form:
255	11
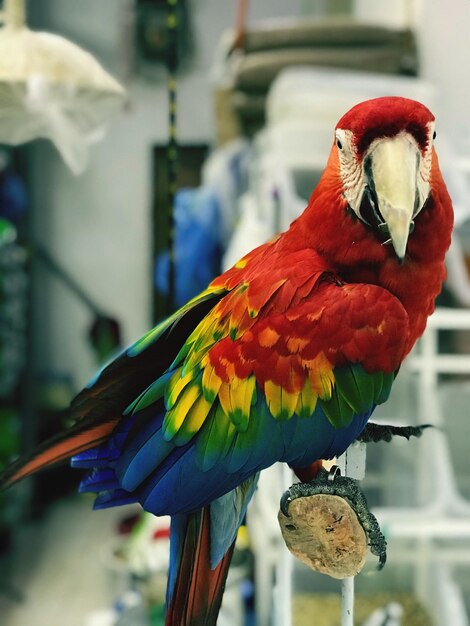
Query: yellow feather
281	403
321	376
210	381
289	403
235	399
307	401
176	385
210	330
193	421
327	380
242	393
188	398
240	396
225	431
225	398
273	397
206	326
176	416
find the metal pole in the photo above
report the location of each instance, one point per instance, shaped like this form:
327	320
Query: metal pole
347	602
283	590
14	13
172	149
353	464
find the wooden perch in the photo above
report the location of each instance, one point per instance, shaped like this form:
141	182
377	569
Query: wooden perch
323	531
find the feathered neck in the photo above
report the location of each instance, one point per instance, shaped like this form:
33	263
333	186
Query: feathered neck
355	255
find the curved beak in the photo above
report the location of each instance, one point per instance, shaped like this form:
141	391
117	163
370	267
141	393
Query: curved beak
393	166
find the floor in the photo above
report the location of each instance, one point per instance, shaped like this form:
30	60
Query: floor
58	566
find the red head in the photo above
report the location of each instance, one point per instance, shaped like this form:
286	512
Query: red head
382	173
387	117
385	153
381	212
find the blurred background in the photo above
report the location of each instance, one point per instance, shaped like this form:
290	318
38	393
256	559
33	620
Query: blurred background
203	125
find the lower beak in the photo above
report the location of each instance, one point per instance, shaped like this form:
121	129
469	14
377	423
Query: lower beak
393	170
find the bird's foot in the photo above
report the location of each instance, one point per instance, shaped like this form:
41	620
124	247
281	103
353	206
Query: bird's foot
332	483
373	433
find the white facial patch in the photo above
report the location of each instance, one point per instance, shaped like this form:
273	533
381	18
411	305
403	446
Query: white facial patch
424	174
350	169
355	179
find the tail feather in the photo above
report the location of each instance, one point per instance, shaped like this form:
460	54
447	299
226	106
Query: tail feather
195	590
58	448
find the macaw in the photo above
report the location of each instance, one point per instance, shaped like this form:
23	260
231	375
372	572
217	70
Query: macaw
283	358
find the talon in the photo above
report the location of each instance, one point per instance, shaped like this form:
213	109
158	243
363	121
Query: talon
334	473
382	561
373	433
379	548
284	504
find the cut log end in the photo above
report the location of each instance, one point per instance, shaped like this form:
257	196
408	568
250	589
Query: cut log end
324	532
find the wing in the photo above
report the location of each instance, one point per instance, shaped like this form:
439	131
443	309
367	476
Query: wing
97	409
287	369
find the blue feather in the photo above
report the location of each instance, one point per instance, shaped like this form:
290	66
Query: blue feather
227	514
99	480
115	497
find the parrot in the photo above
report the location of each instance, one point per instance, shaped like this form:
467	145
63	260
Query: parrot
283	358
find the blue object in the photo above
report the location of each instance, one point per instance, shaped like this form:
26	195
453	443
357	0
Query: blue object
197	242
13	197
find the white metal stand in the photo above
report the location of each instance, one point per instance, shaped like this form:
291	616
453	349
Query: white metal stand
283	590
347	602
353	464
13	14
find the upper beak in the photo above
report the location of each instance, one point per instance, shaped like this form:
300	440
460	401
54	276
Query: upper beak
394	166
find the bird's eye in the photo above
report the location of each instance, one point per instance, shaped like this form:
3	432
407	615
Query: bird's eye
434	135
339	144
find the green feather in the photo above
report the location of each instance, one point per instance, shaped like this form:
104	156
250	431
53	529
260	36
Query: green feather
154	334
337	410
239	453
359	388
384	392
153	393
245	443
349	387
355	390
182	354
250	448
216	437
366	385
378	385
240	420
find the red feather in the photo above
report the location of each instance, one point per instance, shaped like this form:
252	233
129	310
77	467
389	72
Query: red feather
59	448
198	590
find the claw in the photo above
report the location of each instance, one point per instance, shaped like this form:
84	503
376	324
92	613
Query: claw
334	473
373	433
284	504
